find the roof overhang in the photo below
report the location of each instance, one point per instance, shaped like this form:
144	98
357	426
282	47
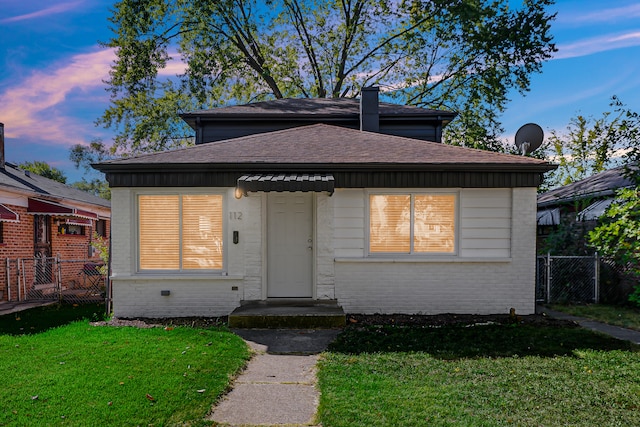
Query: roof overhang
305	182
345	175
47	207
7	215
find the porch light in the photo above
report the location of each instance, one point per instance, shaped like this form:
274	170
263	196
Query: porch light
238	193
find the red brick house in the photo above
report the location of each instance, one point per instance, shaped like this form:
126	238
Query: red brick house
42	219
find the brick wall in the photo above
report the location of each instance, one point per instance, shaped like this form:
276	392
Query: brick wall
493	271
190	294
480	284
18	242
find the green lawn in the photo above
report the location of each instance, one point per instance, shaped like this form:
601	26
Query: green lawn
82	375
627	317
486	375
496	375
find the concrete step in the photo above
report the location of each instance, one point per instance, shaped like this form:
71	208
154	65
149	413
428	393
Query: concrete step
287	314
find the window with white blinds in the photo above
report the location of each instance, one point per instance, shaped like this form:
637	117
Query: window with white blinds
180	232
412	223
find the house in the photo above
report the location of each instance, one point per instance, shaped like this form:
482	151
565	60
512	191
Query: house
580	203
318	210
260	117
41	219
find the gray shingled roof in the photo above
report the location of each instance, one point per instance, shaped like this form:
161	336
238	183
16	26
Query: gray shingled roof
329	145
12	177
314	107
599	185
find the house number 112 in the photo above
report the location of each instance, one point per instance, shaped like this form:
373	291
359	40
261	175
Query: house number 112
235	216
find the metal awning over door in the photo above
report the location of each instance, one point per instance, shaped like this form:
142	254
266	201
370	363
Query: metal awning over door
305	182
46	207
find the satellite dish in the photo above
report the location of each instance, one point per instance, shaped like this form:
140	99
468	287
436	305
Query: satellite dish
529	138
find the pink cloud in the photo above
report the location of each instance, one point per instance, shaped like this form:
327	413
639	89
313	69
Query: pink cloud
59	8
34	107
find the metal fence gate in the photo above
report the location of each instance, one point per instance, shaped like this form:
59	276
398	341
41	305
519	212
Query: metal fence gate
583	279
567	279
52	278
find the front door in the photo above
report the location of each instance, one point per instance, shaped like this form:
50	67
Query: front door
290	245
42	249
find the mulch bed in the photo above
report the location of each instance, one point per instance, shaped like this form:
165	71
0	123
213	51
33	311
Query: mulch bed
406	320
453	320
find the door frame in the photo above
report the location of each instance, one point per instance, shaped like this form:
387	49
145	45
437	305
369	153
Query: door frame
265	255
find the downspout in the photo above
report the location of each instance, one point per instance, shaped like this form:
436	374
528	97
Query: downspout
108	295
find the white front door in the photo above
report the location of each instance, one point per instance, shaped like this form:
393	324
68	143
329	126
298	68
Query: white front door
290	245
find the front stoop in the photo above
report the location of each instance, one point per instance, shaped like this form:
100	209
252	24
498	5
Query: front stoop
287	314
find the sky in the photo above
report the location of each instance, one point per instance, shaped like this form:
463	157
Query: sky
52	69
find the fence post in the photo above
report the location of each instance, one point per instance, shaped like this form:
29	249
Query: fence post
8	263
596	280
20	274
548	266
58	270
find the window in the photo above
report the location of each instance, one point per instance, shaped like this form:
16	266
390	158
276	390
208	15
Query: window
71	229
101	227
180	232
412	223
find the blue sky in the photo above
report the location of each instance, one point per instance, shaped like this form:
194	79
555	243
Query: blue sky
52	68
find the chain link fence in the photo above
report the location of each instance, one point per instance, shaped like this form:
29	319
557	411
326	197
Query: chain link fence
582	279
43	279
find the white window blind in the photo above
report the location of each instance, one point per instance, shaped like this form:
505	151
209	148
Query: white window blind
202	232
390	223
434	223
159	232
412	223
180	232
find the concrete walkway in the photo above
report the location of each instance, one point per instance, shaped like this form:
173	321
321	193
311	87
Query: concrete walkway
614	331
8	307
278	387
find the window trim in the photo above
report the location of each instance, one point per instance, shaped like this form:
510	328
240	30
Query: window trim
179	192
412	192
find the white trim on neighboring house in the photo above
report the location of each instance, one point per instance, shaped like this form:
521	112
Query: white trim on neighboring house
548	217
595	210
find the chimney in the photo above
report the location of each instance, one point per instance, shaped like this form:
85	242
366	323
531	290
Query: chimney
2	146
369	116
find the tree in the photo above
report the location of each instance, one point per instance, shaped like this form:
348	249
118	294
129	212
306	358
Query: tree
83	156
97	187
592	145
43	169
618	234
460	55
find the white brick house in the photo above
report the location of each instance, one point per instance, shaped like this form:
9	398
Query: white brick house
378	223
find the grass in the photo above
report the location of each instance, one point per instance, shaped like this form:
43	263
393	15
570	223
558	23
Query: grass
627	317
494	375
82	375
